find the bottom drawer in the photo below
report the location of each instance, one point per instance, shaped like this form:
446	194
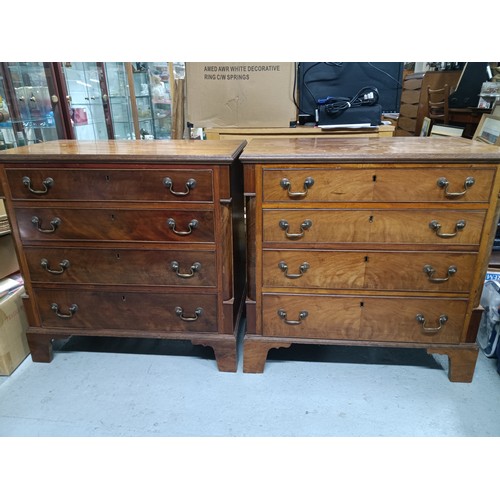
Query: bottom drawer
96	310
390	319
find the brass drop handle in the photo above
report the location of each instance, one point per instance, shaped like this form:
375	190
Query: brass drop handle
72	310
195	267
429	270
54	223
46	183
442	320
286	184
63	265
443	183
436	226
295	236
192	225
180	312
190	184
302	315
302	268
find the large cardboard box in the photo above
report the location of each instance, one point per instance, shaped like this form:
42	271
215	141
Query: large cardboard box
13	324
8	258
240	94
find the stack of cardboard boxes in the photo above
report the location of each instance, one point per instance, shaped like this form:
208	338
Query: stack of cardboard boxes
13	323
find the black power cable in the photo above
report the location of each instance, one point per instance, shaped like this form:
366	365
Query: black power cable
334	106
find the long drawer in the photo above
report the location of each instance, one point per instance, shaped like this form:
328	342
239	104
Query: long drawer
57	224
123	266
430	226
392	319
397	271
173	184
126	310
344	184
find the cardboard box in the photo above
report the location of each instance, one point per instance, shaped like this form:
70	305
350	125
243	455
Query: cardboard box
8	258
13	324
240	94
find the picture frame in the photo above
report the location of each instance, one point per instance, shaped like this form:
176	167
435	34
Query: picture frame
488	130
442	130
426	126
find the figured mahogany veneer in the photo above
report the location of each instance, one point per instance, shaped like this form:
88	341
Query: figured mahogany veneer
378	242
129	239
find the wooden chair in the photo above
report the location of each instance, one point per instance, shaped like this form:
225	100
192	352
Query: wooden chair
437	104
409	105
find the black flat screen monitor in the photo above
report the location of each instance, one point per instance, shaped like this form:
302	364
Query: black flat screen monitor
319	80
466	95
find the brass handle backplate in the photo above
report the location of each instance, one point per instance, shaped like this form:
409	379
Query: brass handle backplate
54	223
295	236
443	183
286	184
192	225
430	331
195	267
302	315
302	268
180	312
429	270
436	227
72	310
47	183
63	265
190	184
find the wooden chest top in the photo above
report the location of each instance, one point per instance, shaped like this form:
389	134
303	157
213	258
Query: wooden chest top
172	151
371	150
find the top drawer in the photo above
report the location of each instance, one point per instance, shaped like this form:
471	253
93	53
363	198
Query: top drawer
114	184
356	183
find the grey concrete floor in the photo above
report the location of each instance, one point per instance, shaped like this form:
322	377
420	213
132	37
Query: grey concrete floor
320	422
153	388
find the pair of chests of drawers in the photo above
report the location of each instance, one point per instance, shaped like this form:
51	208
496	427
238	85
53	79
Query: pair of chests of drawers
349	251
95	238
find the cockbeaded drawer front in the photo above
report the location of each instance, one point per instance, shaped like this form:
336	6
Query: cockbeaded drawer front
117	224
124	266
360	183
357	270
396	319
127	310
96	183
374	226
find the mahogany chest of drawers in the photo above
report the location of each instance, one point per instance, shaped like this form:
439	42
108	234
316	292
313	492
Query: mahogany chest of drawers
129	239
378	242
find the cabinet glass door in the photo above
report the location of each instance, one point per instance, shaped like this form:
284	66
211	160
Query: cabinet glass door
7	136
153	99
87	106
119	100
28	95
161	101
142	93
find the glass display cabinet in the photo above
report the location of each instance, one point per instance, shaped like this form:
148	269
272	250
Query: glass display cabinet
31	110
84	100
